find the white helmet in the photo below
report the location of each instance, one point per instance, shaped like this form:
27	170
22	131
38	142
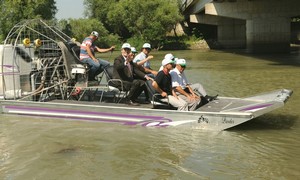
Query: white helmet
126	46
133	50
169	56
181	62
147	46
95	33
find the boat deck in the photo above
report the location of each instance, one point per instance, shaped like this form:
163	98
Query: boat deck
226	104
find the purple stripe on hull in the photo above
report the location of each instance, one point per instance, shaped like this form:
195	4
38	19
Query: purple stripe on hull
256	107
143	120
143	123
79	118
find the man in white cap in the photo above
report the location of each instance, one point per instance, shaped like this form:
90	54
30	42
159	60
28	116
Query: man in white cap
87	55
185	90
132	77
147	76
143	59
181	86
168	56
162	84
133	50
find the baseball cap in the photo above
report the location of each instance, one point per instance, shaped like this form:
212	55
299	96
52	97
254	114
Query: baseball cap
181	62
147	46
167	61
126	45
169	56
133	50
95	33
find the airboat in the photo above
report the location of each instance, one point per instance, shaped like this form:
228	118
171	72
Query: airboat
40	76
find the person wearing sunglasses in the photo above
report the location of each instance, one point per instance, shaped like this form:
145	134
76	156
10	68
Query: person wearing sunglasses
147	77
143	59
132	78
191	93
181	87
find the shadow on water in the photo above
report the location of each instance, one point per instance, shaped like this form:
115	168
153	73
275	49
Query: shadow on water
268	122
290	59
282	59
67	150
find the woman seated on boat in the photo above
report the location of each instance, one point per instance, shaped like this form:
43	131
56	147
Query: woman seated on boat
163	85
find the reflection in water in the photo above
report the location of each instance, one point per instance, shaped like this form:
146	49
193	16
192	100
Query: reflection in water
264	148
269	121
67	150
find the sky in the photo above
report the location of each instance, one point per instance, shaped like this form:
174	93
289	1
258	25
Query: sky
69	9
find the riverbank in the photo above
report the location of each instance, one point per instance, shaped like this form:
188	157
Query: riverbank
185	45
206	45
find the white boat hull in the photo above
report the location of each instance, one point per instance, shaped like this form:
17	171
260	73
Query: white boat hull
217	115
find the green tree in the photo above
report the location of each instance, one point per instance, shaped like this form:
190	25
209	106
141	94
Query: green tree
81	28
147	20
13	11
98	9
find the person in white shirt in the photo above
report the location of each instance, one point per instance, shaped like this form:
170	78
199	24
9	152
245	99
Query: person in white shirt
181	86
189	92
143	59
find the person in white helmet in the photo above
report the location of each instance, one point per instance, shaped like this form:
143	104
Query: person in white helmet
163	85
133	51
87	55
143	59
170	57
191	93
181	86
147	76
133	79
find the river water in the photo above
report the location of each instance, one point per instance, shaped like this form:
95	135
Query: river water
267	147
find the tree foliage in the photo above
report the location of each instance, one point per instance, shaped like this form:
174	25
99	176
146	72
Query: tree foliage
99	9
81	28
114	19
13	11
148	20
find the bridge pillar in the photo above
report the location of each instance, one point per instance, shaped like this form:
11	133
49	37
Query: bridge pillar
268	22
231	33
268	35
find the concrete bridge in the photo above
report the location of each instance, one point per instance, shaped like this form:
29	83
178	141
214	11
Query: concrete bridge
261	26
